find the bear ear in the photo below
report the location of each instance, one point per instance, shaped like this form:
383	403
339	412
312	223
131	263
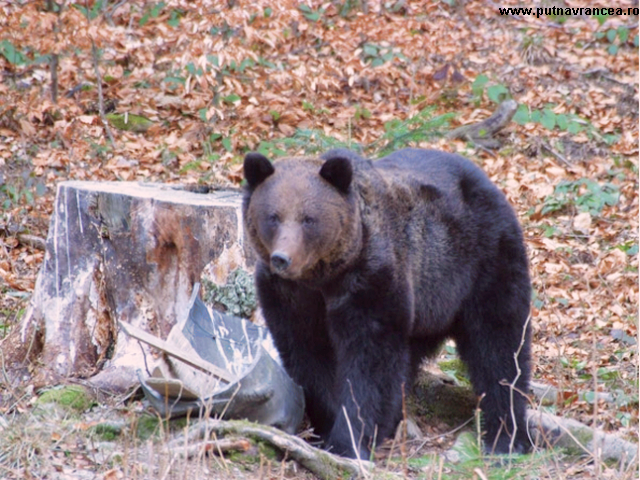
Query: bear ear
257	168
338	172
429	193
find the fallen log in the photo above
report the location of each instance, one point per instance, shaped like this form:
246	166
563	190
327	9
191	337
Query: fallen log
455	404
322	463
119	251
579	439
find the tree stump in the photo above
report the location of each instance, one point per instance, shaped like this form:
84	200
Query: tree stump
120	251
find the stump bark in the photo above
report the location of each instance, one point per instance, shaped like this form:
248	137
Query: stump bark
120	251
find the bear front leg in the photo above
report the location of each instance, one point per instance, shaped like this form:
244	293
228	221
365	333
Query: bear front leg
295	316
373	366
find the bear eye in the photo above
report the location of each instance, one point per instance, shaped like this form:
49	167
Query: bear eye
273	218
308	221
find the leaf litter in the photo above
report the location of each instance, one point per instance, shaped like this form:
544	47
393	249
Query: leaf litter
215	79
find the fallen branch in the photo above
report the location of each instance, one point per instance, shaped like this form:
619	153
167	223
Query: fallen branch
481	133
324	464
561	158
32	241
546	430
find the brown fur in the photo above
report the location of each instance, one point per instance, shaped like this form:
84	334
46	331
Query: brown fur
366	267
294	192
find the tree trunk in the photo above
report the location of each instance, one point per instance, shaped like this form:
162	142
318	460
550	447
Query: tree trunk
120	251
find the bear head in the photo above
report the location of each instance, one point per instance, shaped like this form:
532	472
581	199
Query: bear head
301	215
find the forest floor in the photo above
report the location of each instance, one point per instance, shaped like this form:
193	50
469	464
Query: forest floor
186	87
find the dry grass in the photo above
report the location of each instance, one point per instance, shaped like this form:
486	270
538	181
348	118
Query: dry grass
41	438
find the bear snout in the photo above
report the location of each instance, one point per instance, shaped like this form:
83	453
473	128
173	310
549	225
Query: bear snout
280	261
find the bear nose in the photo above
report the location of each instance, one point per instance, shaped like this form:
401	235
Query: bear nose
280	261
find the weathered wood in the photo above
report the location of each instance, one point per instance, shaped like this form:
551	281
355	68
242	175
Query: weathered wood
482	133
120	251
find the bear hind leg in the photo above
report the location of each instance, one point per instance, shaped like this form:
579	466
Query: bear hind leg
496	350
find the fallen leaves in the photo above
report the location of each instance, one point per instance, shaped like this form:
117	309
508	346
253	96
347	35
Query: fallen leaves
218	78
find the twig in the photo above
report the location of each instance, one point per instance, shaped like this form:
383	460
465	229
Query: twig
53	62
108	13
548	148
53	69
442	435
594	369
105	123
512	385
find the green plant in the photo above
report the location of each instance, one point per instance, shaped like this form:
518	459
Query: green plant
345	9
617	37
558	18
174	19
630	247
232	99
14	195
304	141
622	35
13	55
377	55
107	432
93	12
601	18
584	194
275	115
21	191
310	14
193	70
147	426
496	92
566	122
361	113
419	128
152	12
311	108
174	80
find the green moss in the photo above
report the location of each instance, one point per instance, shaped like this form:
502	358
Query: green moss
269	451
107	432
583	437
73	397
435	398
456	369
146	426
130	122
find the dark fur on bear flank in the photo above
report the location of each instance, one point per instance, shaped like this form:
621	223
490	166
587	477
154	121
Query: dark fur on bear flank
366	267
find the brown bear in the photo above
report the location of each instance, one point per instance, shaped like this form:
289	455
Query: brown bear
365	267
